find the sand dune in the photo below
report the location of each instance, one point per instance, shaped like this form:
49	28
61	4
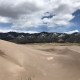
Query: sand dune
39	62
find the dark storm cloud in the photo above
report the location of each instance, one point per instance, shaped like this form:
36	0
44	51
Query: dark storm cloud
12	11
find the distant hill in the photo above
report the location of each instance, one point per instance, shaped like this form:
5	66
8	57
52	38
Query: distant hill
43	37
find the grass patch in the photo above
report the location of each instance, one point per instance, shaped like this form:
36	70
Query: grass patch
56	44
65	44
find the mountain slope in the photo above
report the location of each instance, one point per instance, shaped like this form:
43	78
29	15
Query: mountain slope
43	37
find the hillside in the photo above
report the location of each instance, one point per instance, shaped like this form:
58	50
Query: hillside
39	62
43	37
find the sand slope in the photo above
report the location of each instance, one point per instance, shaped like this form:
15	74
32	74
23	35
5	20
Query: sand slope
36	62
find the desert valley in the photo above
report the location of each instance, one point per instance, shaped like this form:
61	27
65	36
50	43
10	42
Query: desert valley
39	39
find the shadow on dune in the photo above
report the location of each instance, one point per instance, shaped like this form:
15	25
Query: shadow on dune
7	57
69	59
66	57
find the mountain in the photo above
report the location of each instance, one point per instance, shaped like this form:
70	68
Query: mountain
43	37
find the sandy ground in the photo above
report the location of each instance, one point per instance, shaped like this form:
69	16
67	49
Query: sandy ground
39	62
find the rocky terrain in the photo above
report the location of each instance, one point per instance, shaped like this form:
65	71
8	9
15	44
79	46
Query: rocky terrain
43	37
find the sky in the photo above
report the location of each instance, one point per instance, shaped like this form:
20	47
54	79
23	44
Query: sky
40	15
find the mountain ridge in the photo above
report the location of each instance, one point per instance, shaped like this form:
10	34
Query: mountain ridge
43	37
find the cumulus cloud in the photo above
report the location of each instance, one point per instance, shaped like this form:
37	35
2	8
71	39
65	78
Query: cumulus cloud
25	14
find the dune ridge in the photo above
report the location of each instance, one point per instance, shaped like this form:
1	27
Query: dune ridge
39	62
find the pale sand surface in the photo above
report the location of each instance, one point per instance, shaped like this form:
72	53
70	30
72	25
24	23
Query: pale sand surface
39	62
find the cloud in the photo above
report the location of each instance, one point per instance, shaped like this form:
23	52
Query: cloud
73	31
26	14
11	30
3	20
59	20
12	10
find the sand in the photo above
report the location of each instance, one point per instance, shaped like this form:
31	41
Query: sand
39	62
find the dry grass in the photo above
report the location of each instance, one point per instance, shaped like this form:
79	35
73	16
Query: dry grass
57	44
